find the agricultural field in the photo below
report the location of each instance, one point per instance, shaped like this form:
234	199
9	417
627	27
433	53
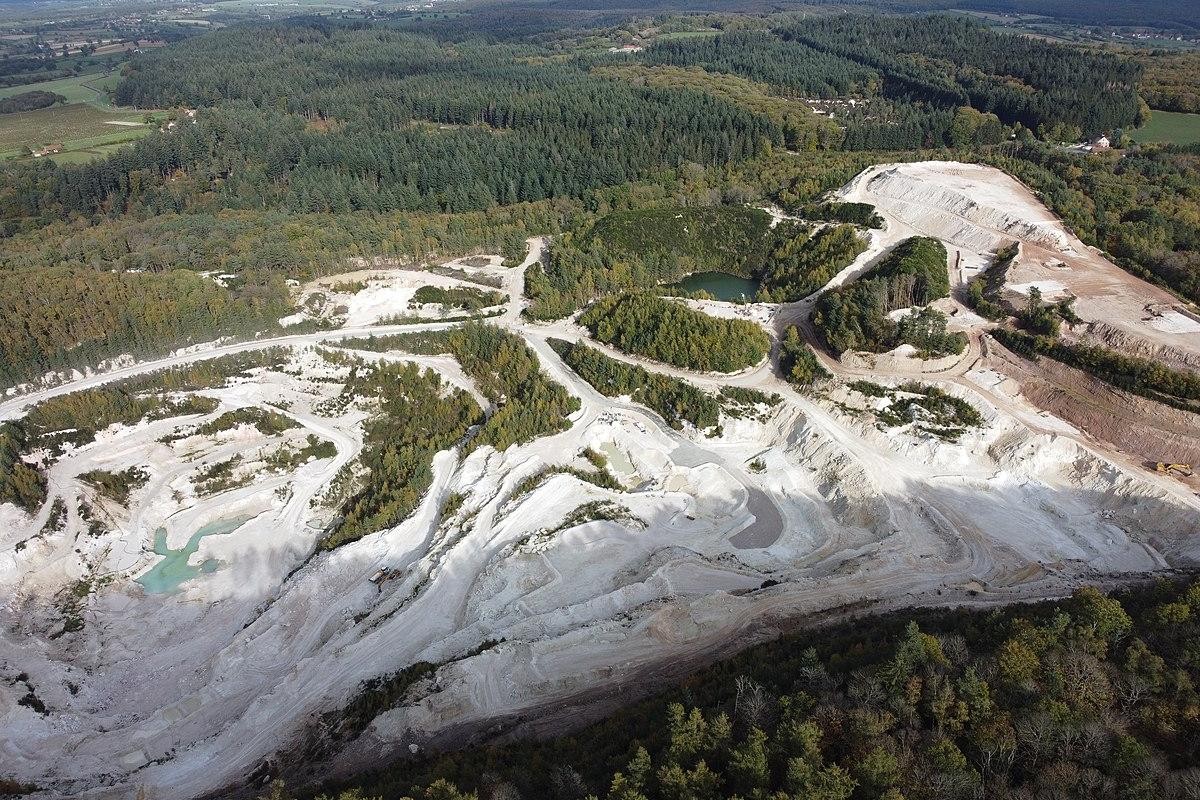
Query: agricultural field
666	37
79	128
87	126
292	6
1170	127
91	88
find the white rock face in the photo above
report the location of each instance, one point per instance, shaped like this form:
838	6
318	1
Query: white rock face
975	207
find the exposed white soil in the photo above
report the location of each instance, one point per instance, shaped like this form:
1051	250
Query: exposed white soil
385	293
975	210
186	693
1176	322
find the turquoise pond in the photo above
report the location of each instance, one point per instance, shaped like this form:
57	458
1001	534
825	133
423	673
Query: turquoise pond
166	576
720	285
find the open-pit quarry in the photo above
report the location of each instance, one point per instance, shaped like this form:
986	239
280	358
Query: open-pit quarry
237	659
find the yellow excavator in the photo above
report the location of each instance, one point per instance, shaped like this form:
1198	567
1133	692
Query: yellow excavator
1184	470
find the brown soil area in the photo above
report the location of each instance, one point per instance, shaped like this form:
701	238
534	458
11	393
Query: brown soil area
1142	429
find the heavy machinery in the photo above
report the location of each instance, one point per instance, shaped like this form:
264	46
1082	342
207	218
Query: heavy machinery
1184	470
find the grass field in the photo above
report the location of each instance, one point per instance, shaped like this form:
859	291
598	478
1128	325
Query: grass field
81	89
292	5
83	126
78	126
666	37
1170	127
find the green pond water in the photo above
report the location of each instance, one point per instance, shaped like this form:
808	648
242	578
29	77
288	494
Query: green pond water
720	285
165	576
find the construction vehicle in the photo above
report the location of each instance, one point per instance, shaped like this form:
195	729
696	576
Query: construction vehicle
1184	470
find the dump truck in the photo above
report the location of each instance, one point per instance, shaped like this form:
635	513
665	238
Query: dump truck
1174	469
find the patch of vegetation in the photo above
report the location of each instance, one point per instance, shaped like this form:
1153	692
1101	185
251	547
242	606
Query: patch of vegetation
722	238
674	400
417	416
464	297
747	396
600	476
453	503
594	511
672	332
869	388
288	458
984	289
221	477
268	422
742	403
1040	318
925	329
376	695
861	214
72	600
798	362
528	404
928	408
855	317
55	522
801	264
95	526
934	410
29	101
116	486
597	459
191	406
57	519
21	483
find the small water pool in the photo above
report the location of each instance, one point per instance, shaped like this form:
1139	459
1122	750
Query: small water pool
166	576
720	285
619	461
